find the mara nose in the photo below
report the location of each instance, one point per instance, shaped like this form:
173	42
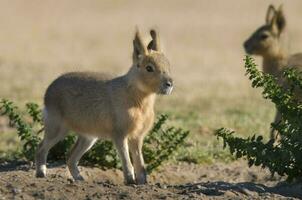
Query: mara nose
169	83
245	45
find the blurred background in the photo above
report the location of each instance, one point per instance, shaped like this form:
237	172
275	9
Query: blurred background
39	40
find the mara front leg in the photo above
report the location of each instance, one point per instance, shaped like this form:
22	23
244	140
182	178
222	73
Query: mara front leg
273	133
136	152
121	144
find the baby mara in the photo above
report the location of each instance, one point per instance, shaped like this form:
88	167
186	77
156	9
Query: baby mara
120	109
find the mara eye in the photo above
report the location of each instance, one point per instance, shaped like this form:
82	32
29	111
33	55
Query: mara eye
264	36
149	68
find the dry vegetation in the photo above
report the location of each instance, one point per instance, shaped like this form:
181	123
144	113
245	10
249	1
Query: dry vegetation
39	40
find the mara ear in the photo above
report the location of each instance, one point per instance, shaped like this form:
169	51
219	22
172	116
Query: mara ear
139	48
281	22
155	43
278	23
271	12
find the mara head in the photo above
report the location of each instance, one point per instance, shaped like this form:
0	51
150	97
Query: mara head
151	68
265	41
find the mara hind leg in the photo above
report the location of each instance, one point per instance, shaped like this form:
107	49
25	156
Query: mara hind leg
82	145
54	132
273	133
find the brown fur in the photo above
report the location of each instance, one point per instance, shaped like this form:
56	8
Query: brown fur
267	41
96	106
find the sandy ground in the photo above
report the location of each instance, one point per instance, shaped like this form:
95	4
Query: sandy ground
182	181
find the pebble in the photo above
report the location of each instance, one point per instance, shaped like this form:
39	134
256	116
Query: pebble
123	195
17	190
230	194
70	180
33	185
162	186
51	188
200	187
248	192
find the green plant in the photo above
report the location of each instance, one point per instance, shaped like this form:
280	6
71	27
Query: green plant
162	142
25	130
159	144
284	155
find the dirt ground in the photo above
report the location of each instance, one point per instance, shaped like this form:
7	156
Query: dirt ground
182	181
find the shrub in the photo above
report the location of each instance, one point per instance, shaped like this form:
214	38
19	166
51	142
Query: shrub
159	144
283	156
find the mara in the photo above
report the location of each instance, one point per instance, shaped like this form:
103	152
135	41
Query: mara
267	41
120	109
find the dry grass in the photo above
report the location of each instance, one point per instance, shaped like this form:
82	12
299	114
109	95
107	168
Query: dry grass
39	40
